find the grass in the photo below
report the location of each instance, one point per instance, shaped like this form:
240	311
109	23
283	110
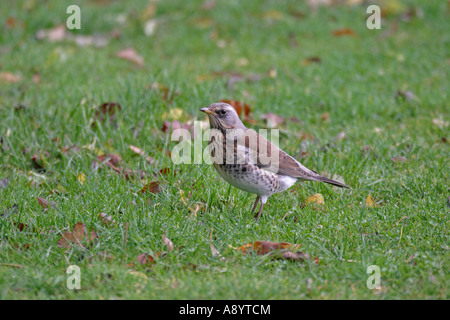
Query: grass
354	84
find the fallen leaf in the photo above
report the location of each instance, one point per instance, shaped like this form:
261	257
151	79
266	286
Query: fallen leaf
240	107
78	237
131	55
9	77
208	5
325	117
343	32
277	250
44	203
310	60
406	95
170	126
39	160
55	34
107	219
174	114
195	208
399	159
81	178
440	123
272	120
152	187
141	152
168	243
107	111
150	27
90	40
316	198
370	202
145	259
214	251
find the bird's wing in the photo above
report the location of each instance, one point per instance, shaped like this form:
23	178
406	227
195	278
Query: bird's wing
270	157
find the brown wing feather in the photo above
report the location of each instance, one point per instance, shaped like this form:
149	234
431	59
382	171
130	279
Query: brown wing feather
284	164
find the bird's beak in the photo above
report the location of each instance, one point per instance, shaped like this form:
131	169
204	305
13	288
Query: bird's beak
206	110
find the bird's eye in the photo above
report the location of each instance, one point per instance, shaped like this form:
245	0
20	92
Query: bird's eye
223	111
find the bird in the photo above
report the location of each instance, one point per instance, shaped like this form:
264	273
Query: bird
248	161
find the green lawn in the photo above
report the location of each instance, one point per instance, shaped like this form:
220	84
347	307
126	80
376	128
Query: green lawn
369	105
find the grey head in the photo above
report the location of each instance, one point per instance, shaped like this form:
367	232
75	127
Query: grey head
222	116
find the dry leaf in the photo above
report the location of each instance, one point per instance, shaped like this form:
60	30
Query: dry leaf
277	250
141	152
168	243
399	159
272	120
310	60
81	178
45	203
239	107
440	123
79	236
195	208
370	202
343	32
131	55
9	77
57	33
316	198
107	111
108	219
152	187
214	251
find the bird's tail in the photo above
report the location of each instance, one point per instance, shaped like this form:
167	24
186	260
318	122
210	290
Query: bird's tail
331	181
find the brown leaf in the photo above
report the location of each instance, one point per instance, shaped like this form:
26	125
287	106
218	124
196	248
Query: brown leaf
107	111
265	247
55	34
399	159
312	60
370	202
79	236
45	203
214	251
141	152
273	120
240	107
152	187
145	259
107	219
208	5
131	55
9	77
277	250
168	243
343	32
406	95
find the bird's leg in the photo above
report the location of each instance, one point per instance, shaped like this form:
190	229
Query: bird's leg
256	203
259	212
263	202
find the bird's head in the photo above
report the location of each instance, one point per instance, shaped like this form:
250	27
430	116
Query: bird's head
222	116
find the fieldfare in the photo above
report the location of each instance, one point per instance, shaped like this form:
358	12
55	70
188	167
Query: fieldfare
249	161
